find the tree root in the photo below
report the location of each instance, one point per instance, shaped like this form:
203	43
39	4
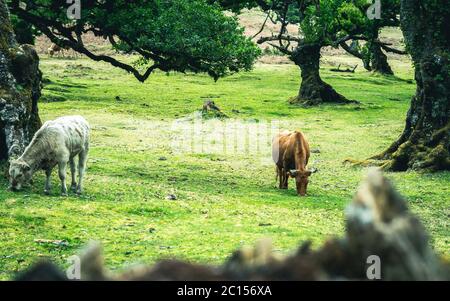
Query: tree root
364	163
310	102
419	157
408	157
314	92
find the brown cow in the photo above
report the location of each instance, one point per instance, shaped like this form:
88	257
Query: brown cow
290	152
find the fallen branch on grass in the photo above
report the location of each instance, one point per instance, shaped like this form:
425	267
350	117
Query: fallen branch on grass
338	69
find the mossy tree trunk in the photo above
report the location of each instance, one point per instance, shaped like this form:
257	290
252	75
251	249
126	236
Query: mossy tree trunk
313	89
20	89
373	58
425	142
379	60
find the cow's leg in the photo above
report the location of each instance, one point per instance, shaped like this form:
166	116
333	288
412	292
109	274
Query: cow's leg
73	186
48	186
62	176
286	180
280	177
81	169
285	177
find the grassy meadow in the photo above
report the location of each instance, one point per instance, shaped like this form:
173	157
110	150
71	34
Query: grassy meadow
223	201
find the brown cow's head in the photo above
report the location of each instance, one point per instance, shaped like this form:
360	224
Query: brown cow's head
301	179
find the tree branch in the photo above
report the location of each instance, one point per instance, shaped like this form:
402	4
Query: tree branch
393	50
77	45
265	21
351	50
277	38
282	49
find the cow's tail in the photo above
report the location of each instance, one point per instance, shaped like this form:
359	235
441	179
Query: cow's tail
277	173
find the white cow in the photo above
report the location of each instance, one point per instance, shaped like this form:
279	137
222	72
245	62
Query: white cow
57	142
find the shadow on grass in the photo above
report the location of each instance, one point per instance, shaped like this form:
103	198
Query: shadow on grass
381	80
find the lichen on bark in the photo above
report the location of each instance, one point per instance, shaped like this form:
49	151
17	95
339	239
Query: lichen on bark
20	89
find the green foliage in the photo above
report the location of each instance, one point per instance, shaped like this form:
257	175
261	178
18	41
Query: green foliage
351	17
322	23
178	35
24	31
319	21
326	22
238	5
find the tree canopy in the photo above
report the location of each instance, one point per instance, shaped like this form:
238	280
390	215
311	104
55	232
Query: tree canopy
177	35
327	22
324	23
319	24
359	27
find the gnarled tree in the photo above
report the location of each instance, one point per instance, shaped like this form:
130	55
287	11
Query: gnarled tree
318	26
425	141
359	27
20	89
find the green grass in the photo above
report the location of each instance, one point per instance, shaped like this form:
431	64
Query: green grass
223	201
